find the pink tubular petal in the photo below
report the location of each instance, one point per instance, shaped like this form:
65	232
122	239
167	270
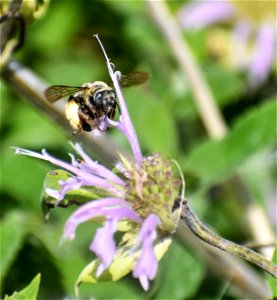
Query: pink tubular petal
88	179
71	183
149	226
242	31
126	125
74	161
84	176
264	54
147	264
53	193
110	208
199	14
143	279
96	168
28	153
103	244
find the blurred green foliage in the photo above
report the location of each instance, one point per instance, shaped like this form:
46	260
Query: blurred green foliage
60	47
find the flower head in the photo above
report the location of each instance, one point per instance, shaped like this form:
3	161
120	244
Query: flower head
138	200
252	44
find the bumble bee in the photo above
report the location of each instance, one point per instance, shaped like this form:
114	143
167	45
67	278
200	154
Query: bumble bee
89	105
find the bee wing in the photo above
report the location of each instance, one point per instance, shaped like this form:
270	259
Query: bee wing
56	92
134	78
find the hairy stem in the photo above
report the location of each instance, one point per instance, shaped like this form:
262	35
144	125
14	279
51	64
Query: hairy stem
205	234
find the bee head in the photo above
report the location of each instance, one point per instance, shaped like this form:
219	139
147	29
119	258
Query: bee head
105	99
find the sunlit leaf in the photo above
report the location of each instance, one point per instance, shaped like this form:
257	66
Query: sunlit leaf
252	133
29	293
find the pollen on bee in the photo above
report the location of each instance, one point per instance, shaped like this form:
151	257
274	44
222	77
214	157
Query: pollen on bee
72	115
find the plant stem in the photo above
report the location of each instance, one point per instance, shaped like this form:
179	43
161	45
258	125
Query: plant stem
205	234
210	115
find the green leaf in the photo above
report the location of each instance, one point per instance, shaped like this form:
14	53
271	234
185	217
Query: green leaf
252	133
12	232
225	85
153	122
272	282
180	274
29	293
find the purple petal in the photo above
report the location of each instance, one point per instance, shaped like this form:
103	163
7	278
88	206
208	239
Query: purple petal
126	125
111	208
71	183
147	264
53	193
199	14
103	124
242	31
241	35
87	178
96	168
74	161
264	54
103	244
148	226
122	169
28	153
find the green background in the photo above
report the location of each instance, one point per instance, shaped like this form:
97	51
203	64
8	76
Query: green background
61	49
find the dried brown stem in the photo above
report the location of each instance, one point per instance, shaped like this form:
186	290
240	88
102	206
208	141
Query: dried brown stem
210	115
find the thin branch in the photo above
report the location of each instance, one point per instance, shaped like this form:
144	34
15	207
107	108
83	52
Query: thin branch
204	99
244	280
27	84
205	234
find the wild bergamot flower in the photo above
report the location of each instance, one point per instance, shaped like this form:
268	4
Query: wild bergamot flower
136	199
252	44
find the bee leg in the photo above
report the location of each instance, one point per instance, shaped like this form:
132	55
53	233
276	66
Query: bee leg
96	122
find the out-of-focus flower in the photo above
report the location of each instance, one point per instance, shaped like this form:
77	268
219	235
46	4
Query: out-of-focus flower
251	45
139	201
14	15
